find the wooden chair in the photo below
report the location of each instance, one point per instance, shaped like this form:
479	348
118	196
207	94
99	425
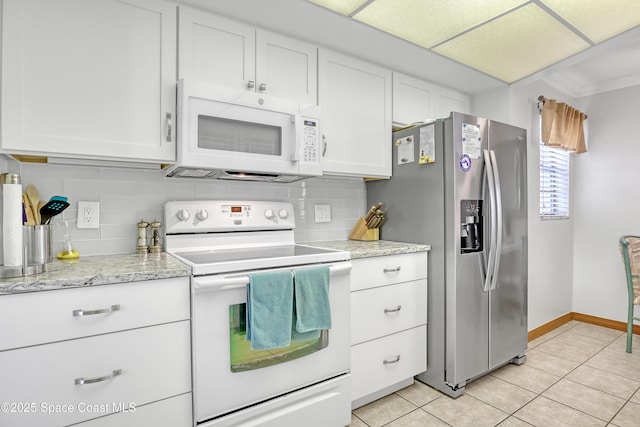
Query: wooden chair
630	248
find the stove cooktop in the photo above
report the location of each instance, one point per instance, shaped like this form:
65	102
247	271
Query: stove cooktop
221	236
212	261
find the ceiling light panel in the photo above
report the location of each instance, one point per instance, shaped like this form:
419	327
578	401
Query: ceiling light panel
429	22
514	45
345	7
598	19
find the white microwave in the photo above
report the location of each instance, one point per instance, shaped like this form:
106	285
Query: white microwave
224	134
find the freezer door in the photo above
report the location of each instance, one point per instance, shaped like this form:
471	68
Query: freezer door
508	301
467	304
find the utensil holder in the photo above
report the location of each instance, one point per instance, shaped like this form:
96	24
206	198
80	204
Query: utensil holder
37	239
361	232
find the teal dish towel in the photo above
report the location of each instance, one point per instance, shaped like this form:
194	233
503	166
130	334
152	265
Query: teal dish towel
313	311
269	309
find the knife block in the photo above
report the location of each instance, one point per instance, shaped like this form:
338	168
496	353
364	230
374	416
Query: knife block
361	232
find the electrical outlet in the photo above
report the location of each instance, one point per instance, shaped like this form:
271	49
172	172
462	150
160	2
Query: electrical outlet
323	213
88	215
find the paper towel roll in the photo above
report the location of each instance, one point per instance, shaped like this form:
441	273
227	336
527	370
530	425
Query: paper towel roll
12	224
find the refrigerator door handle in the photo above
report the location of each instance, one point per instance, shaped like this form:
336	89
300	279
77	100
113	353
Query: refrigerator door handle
498	215
492	202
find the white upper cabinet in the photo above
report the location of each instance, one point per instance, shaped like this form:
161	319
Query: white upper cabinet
355	97
415	100
449	100
412	100
220	51
286	67
89	79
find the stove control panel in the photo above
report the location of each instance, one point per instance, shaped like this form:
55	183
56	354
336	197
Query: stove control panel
206	216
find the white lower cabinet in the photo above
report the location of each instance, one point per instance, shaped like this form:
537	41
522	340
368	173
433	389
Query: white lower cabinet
378	364
172	412
388	326
115	366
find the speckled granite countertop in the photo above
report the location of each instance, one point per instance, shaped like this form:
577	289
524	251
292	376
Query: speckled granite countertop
110	269
98	270
365	249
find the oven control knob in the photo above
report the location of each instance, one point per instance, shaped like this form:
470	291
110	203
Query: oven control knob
283	214
269	214
202	214
183	215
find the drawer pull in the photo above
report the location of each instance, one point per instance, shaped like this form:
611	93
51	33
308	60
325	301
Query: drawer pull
115	373
390	362
391	270
392	310
80	313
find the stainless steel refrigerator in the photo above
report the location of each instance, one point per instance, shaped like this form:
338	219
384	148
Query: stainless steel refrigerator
459	184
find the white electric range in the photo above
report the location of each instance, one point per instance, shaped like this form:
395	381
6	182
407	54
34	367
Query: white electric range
307	383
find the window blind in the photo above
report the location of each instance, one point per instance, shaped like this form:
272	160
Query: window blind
554	182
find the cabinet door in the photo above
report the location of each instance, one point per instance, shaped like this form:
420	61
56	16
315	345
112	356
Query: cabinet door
449	100
216	50
89	79
173	412
355	97
286	67
416	100
386	361
96	376
412	100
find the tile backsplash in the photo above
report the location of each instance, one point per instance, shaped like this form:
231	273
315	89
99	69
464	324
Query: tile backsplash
127	195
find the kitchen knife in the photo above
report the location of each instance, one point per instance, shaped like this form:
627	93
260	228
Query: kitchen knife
370	214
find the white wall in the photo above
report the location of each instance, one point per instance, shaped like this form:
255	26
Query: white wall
127	195
606	201
550	241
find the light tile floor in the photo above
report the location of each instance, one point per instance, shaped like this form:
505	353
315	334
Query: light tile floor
576	375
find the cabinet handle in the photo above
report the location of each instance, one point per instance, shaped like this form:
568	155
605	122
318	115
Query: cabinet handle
391	270
263	87
390	362
169	124
392	310
251	84
80	313
83	381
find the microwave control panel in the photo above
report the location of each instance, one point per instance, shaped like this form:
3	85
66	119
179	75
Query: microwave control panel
310	141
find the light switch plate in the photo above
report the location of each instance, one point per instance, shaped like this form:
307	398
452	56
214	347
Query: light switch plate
88	215
323	213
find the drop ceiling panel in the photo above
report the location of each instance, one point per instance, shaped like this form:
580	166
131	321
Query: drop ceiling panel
598	19
514	45
429	22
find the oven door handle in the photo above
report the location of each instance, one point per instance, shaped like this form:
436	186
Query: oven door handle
203	284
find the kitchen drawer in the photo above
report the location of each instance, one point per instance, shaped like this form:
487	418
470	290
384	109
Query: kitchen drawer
48	316
154	363
387	309
173	412
369	373
387	270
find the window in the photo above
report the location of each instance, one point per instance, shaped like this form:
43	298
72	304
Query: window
554	182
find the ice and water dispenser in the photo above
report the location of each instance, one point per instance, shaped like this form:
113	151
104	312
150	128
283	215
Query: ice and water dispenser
471	226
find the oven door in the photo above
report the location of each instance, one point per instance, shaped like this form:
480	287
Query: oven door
228	376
